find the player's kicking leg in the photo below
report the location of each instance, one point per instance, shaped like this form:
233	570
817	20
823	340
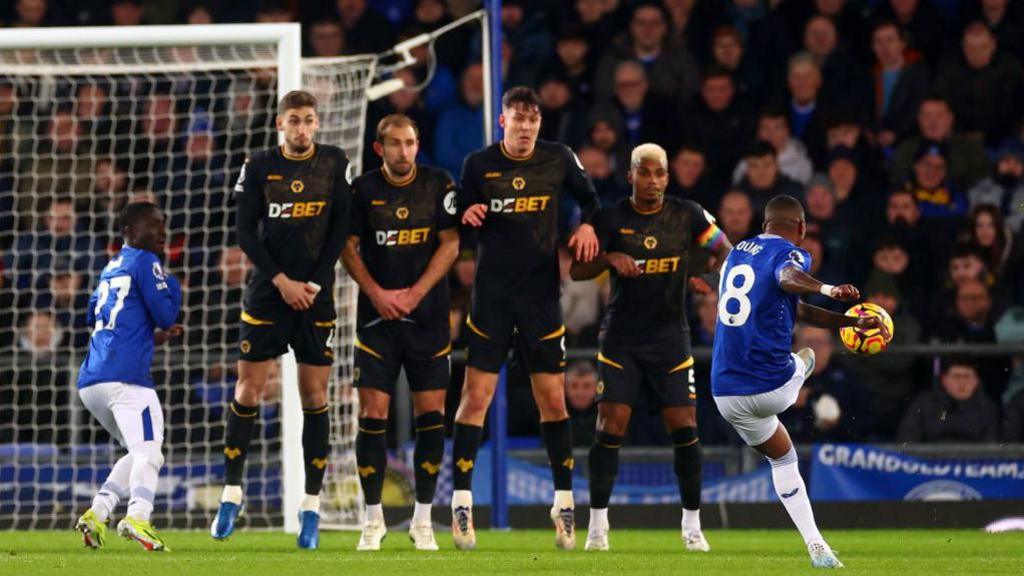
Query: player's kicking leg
755	419
243	412
603	467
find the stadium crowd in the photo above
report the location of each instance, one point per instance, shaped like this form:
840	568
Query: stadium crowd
897	122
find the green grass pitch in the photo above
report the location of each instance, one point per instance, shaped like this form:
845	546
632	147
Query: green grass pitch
635	552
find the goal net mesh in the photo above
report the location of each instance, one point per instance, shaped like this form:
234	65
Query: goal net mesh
83	132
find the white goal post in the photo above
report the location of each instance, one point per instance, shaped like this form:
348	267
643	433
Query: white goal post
202	72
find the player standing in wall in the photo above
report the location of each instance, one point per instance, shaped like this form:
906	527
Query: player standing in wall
403	240
293	217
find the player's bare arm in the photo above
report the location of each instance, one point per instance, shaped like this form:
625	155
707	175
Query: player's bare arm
161	337
815	316
474	215
623	264
796	281
384	301
584	241
440	263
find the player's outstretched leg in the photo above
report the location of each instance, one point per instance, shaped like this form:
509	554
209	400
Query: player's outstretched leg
371	463
603	467
687	459
427	458
93	524
238	435
465	445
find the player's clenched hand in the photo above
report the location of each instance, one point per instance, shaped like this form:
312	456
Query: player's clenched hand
584	240
297	295
408	300
699	285
386	303
474	215
845	293
623	264
162	336
873	323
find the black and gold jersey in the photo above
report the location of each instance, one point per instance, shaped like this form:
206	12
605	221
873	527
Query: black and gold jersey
517	256
397	226
651	308
293	216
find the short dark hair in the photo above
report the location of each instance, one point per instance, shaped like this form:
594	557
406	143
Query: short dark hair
885	23
715	71
135	211
784	206
966	250
958	360
396	121
773	110
296	99
759	149
520	96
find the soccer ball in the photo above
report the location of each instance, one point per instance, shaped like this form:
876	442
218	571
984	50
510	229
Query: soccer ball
866	342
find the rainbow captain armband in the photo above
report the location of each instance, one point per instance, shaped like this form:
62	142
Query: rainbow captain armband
711	237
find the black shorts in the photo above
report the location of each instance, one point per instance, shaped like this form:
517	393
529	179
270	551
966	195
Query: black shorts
268	332
388	346
663	373
534	327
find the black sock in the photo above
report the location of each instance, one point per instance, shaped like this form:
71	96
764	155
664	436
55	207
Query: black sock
686	446
428	454
241	421
465	444
558	440
372	457
603	465
316	445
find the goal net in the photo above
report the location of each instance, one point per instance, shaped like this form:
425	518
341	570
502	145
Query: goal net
84	129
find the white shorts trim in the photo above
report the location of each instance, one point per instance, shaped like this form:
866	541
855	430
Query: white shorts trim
755	417
131	414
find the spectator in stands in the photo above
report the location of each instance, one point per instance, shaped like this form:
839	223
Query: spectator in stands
967	160
564	118
843	78
214	298
936	195
693	25
893	255
1004	189
791	155
974	322
574	63
56	165
833	405
326	38
109	187
1010	329
889	378
409	102
900	84
842	262
671	70
34	252
40	335
987	230
857	198
806	112
1012	429
273	11
595	18
763	180
767	39
581	389
706	305
581	305
529	32
955	410
966	264
460	127
126	12
727	53
636	112
366	30
983	87
197	13
920	22
450	48
736	216
689	176
602	135
33	14
598	166
721	123
1003	18
93	110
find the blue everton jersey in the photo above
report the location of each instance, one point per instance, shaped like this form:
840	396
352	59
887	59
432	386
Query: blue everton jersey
754	331
133	298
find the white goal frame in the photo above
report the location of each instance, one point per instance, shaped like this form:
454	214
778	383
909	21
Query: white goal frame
288	39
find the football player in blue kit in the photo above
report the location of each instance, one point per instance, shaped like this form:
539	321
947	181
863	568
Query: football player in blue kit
133	308
754	376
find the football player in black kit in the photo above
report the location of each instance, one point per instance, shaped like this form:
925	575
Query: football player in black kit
402	241
293	210
510	193
645	341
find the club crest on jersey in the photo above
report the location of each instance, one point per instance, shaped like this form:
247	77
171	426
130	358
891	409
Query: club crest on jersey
650	242
402	213
297	186
518	183
797	257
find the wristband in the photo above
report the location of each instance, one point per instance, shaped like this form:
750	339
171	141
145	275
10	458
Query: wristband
826	290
